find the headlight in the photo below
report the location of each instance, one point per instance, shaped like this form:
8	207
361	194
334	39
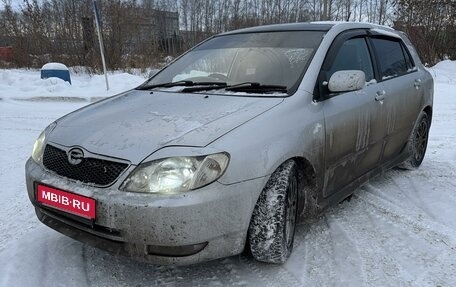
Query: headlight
38	147
176	174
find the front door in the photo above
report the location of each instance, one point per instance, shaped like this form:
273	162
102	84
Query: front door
353	120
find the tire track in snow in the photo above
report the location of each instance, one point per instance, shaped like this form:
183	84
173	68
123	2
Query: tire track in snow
415	257
434	172
381	260
322	263
413	195
346	254
232	271
389	265
299	264
424	196
372	261
390	249
318	257
433	231
272	275
43	258
85	265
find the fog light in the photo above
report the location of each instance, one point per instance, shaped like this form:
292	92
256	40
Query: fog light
175	251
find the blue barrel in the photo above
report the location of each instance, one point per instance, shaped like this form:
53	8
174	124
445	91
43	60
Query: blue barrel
56	70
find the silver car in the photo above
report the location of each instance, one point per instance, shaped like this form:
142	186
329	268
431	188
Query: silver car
233	143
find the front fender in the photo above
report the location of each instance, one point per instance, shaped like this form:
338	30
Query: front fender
295	128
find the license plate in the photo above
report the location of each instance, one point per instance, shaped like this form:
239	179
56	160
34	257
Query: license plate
66	201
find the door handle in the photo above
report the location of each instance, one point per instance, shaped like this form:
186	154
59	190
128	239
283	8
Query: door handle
417	83
380	95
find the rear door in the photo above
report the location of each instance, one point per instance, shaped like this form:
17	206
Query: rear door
353	120
402	84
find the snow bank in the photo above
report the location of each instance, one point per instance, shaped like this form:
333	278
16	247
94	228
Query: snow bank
26	84
444	72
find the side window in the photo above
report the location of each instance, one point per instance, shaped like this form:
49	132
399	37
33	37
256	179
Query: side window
408	58
391	57
353	55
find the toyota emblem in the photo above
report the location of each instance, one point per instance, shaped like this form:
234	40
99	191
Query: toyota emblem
75	156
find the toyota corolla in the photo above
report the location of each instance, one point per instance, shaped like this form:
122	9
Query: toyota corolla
231	145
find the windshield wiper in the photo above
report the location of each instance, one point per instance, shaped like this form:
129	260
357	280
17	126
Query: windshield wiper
247	87
257	88
181	83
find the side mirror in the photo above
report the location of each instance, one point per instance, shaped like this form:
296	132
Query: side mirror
346	81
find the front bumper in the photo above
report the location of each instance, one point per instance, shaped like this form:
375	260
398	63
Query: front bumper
196	226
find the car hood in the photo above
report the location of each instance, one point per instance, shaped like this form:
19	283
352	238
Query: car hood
135	124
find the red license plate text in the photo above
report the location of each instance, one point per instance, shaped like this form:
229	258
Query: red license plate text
66	201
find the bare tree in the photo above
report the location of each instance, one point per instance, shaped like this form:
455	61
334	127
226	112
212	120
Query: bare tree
138	33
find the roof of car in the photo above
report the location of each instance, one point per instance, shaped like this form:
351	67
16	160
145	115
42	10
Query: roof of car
307	26
284	27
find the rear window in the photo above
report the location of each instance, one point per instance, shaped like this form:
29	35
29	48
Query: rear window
390	53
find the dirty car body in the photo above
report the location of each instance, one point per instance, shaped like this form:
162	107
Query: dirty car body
175	171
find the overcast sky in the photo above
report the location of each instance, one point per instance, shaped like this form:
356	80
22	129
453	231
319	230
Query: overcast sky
14	3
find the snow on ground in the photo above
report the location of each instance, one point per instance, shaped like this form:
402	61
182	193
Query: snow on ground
398	230
25	84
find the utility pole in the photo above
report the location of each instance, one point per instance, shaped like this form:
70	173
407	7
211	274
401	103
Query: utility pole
100	40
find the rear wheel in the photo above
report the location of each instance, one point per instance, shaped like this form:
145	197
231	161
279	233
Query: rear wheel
272	227
417	143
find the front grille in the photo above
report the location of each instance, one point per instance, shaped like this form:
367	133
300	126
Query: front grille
90	170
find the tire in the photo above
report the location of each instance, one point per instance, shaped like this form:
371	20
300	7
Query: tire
417	144
273	222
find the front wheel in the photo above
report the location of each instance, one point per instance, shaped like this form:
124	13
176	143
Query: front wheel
417	144
272	227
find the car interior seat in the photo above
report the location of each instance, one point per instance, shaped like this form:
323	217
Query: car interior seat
264	65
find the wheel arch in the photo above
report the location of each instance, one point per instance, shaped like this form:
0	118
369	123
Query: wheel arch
308	188
428	111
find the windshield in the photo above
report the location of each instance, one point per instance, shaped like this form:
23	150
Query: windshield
268	59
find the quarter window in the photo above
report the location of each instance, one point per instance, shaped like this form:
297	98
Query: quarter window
391	57
408	59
